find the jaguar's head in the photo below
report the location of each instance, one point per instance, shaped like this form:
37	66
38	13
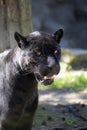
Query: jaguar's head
40	54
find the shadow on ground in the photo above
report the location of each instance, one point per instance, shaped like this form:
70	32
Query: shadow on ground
61	110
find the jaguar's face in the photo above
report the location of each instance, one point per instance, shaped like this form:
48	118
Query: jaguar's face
42	53
46	57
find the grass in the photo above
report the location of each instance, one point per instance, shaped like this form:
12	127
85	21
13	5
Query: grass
72	121
77	82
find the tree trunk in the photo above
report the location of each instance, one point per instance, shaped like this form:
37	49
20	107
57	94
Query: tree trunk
15	15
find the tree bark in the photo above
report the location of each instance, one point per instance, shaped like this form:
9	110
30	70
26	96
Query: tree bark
15	15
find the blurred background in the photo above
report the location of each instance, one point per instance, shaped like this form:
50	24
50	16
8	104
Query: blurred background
49	15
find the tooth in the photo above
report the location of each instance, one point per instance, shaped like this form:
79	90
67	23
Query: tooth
54	76
45	77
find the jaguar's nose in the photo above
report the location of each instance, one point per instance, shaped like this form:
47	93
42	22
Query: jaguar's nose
53	66
51	62
54	70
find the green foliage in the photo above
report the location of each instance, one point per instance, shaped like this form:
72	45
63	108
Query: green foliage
70	122
65	67
77	82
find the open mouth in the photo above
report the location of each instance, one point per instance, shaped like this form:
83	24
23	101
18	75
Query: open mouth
46	80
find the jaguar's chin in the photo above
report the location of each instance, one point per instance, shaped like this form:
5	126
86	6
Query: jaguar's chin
46	80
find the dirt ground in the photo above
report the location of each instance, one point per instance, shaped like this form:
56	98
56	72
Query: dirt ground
61	109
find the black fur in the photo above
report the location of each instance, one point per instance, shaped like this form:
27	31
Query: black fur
36	59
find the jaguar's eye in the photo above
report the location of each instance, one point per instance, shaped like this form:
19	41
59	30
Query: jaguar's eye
38	53
56	51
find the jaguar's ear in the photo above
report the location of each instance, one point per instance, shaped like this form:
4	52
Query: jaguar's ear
21	40
58	35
